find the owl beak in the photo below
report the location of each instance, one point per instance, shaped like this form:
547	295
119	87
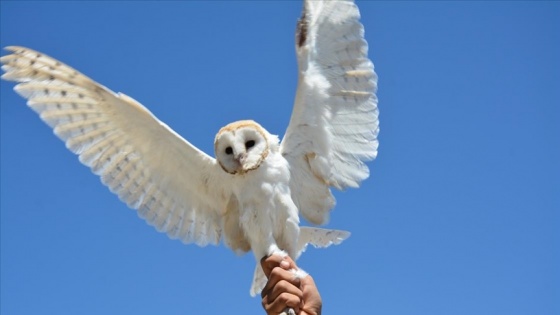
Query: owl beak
241	158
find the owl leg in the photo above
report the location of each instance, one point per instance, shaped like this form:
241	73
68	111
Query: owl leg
290	237
288	241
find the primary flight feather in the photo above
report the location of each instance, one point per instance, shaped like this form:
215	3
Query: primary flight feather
251	194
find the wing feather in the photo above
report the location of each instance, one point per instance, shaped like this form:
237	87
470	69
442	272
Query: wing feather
334	125
174	186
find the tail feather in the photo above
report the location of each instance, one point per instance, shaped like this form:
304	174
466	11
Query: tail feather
319	238
259	281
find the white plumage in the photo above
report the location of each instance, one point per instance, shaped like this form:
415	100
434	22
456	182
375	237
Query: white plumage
252	193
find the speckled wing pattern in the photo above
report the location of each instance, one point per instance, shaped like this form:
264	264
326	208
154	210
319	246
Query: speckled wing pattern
149	166
334	124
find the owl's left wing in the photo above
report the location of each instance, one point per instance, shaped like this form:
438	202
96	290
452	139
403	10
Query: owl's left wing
174	186
334	124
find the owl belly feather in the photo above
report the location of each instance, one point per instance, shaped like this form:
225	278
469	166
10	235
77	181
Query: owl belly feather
268	216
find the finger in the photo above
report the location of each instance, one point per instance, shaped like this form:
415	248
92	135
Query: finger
291	263
281	287
283	301
284	264
270	262
277	274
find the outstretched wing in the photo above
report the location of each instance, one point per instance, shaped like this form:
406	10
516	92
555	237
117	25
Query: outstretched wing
334	124
174	186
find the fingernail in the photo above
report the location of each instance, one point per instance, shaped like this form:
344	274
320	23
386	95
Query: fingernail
284	264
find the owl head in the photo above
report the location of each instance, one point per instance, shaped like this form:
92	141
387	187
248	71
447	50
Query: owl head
242	146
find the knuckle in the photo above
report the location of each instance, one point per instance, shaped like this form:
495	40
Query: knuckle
284	297
283	285
276	271
289	299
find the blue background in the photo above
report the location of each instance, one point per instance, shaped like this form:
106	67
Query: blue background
460	214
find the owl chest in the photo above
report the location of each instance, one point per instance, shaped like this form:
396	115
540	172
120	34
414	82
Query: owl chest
265	187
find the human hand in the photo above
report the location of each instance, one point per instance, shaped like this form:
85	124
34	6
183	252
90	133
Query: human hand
284	290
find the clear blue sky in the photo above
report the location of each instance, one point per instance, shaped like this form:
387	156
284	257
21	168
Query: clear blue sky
460	214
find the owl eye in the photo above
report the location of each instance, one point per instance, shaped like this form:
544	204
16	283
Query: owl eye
229	150
249	144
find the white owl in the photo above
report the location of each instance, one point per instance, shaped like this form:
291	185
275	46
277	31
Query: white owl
251	195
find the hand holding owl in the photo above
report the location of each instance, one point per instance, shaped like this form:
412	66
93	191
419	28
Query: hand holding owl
283	290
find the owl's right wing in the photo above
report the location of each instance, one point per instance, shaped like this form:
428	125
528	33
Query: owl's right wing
175	187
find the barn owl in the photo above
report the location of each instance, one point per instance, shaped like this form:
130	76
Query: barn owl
250	196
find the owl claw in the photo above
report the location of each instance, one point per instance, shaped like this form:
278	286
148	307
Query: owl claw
299	273
279	252
288	311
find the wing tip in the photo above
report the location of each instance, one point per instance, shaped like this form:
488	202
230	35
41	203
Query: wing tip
11	48
15	49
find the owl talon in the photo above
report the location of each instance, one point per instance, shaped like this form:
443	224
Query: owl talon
288	311
299	273
279	252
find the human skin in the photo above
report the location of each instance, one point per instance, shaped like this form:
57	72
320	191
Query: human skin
284	290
